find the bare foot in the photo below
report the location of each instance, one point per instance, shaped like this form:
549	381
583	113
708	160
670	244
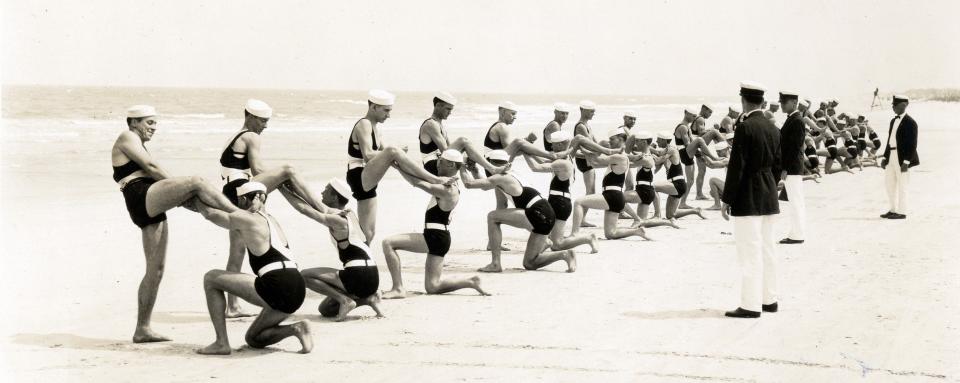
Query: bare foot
699	213
624	215
502	248
643	234
587	224
215	349
684	206
491	268
702	198
345	308
673	223
571	259
237	312
374	302
475	280
146	335
301	330
398	293
594	245
714	207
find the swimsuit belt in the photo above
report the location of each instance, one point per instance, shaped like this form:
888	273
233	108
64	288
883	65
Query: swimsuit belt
434	225
359	263
230	174
426	157
353	163
612	187
674	178
645	183
276	266
560	193
533	201
893	148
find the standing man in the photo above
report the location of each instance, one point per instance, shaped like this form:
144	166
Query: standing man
750	196
791	146
901	155
726	124
560	113
582	128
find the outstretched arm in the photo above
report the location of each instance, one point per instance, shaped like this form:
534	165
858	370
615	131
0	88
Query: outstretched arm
536	166
433	189
217	216
471	180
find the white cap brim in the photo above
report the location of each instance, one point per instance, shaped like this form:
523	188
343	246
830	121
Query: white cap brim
446	97
452	155
588	105
258	108
250	187
140	111
341	187
497	155
381	97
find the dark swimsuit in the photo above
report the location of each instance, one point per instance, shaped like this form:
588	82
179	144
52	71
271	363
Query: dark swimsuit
438	240
283	289
135	194
489	142
644	187
234	160
613	191
675	176
684	156
582	165
560	203
831	144
430	147
539	213
360	281
811	154
354	178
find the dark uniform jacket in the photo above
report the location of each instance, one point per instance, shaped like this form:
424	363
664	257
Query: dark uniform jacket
791	144
754	169
906	141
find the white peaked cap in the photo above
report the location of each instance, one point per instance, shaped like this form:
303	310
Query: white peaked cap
664	135
752	85
789	93
381	97
446	97
560	136
588	105
258	108
250	187
721	145
498	155
643	135
561	107
341	187
901	97
615	132
630	113
452	155
139	111
509	106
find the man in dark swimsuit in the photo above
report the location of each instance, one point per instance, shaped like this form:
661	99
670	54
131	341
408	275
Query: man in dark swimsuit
369	160
276	285
434	140
434	240
499	137
561	112
149	191
241	162
683	137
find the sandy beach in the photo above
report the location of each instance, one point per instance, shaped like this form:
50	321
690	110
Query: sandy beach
864	299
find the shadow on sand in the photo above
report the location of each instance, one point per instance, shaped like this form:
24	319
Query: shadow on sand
675	314
71	341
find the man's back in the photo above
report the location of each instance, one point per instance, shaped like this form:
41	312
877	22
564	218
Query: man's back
751	184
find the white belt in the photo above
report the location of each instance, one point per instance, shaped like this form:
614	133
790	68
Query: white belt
677	178
359	263
533	201
560	193
832	146
434	225
611	187
645	183
812	156
226	173
276	266
355	163
429	156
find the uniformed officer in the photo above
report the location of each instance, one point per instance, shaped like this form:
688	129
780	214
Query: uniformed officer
791	146
901	155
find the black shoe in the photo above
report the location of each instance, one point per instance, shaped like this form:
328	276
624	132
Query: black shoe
898	216
887	214
771	308
741	313
788	241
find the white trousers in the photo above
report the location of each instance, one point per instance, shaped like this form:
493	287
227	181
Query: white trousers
758	263
798	208
897	182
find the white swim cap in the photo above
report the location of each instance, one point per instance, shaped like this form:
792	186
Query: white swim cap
643	135
258	108
664	135
588	105
690	111
452	155
509	106
446	97
251	187
340	187
561	107
381	97
630	114
140	111
615	132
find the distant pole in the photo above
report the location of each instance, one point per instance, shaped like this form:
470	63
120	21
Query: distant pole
876	99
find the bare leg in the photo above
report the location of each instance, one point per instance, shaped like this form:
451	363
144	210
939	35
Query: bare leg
377	166
533	259
590	182
716	189
701	173
234	263
611	231
688	172
559	242
172	192
495	236
266	330
520	145
326	281
367	217
501	204
155	250
436	284
680	213
413	242
464	144
287	177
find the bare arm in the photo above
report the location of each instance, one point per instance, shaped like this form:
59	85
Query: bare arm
435	190
471	179
537	166
132	147
432	129
217	216
363	132
253	153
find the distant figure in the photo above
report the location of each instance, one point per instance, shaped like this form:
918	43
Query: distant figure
901	152
792	136
876	99
750	196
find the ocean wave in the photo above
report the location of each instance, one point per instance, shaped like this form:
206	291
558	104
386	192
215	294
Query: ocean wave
347	101
202	116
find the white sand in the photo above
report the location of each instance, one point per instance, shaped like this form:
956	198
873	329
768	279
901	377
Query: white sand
864	298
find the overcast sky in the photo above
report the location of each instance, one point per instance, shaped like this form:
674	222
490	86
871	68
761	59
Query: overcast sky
594	47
